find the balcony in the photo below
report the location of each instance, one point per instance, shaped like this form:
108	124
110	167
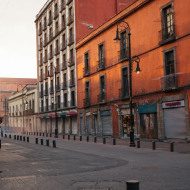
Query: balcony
41	94
65	104
71	61
57	68
101	64
41	109
72	82
40	62
45	41
46	92
167	35
86	102
56	14
169	82
72	103
40	46
50	20
29	112
124	93
70	40
39	32
51	72
50	36
56	32
45	58
63	46
50	55
86	71
62	26
70	19
51	107
123	54
45	76
64	85
40	78
57	87
62	7
69	1
44	26
57	50
51	90
46	108
102	98
64	65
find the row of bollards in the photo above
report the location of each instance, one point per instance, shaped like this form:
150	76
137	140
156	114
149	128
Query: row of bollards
22	138
47	142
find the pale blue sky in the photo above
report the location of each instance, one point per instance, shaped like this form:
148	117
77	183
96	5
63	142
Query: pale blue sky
18	38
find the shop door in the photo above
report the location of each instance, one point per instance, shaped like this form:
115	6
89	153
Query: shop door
81	126
66	125
174	123
89	124
74	125
95	125
106	126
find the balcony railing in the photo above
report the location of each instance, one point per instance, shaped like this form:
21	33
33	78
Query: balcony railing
124	92
51	72
40	62
29	112
86	102
45	75
56	14
71	61
45	41
101	64
46	108
64	65
123	54
62	26
41	94
102	98
39	32
50	55
62	7
58	87
55	32
63	46
72	82
72	103
57	50
168	82
64	85
70	40
46	92
50	20
40	46
45	58
167	34
40	78
51	90
12	114
65	104
50	36
51	107
69	1
86	71
58	68
44	26
70	19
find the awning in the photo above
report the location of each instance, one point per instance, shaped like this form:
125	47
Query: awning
40	116
72	114
52	115
44	116
63	114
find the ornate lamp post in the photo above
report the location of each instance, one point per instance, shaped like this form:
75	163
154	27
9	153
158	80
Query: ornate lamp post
55	101
6	105
125	26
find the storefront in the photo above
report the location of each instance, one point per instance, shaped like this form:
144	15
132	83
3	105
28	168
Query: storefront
148	121
106	121
174	119
89	123
72	115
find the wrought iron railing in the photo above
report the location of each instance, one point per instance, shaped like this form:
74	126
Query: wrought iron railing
101	64
72	103
57	87
69	1
169	82
63	46
56	31
50	36
46	92
102	98
29	112
40	78
86	102
50	55
39	32
45	75
62	7
50	20
64	85
41	93
124	92
45	58
41	62
123	54
45	41
40	46
70	40
56	50
71	61
167	33
64	65
51	90
86	71
56	13
63	26
44	26
72	82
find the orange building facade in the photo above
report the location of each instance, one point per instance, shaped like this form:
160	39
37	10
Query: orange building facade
160	37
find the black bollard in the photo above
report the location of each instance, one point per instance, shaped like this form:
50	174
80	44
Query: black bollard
42	142
54	144
171	147
138	143
132	185
24	138
114	141
47	142
63	136
36	140
14	137
104	140
68	137
17	137
80	138
95	139
9	136
153	145
27	139
43	134
20	138
87	138
74	138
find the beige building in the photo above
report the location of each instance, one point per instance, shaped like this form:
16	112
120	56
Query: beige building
23	110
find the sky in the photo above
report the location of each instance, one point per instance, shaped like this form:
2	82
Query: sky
18	38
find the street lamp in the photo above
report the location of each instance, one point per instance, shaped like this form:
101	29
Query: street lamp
6	105
124	26
55	101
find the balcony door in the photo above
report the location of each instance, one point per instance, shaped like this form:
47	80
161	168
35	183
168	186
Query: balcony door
125	89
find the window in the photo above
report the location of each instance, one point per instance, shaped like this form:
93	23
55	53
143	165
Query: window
56	25
41	90
64	77
58	101
41	74
55	6
63	39
86	63
64	58
102	96
63	20
51	85
57	43
73	98
101	55
65	100
71	53
46	88
45	36
64	81
58	83
33	105
71	32
125	85
49	15
46	104
169	63
70	11
46	54
40	26
42	106
51	51
45	21
123	46
87	91
57	64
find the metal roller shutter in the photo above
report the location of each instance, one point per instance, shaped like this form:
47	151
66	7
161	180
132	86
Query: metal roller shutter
106	125
74	125
174	123
67	125
89	124
81	126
